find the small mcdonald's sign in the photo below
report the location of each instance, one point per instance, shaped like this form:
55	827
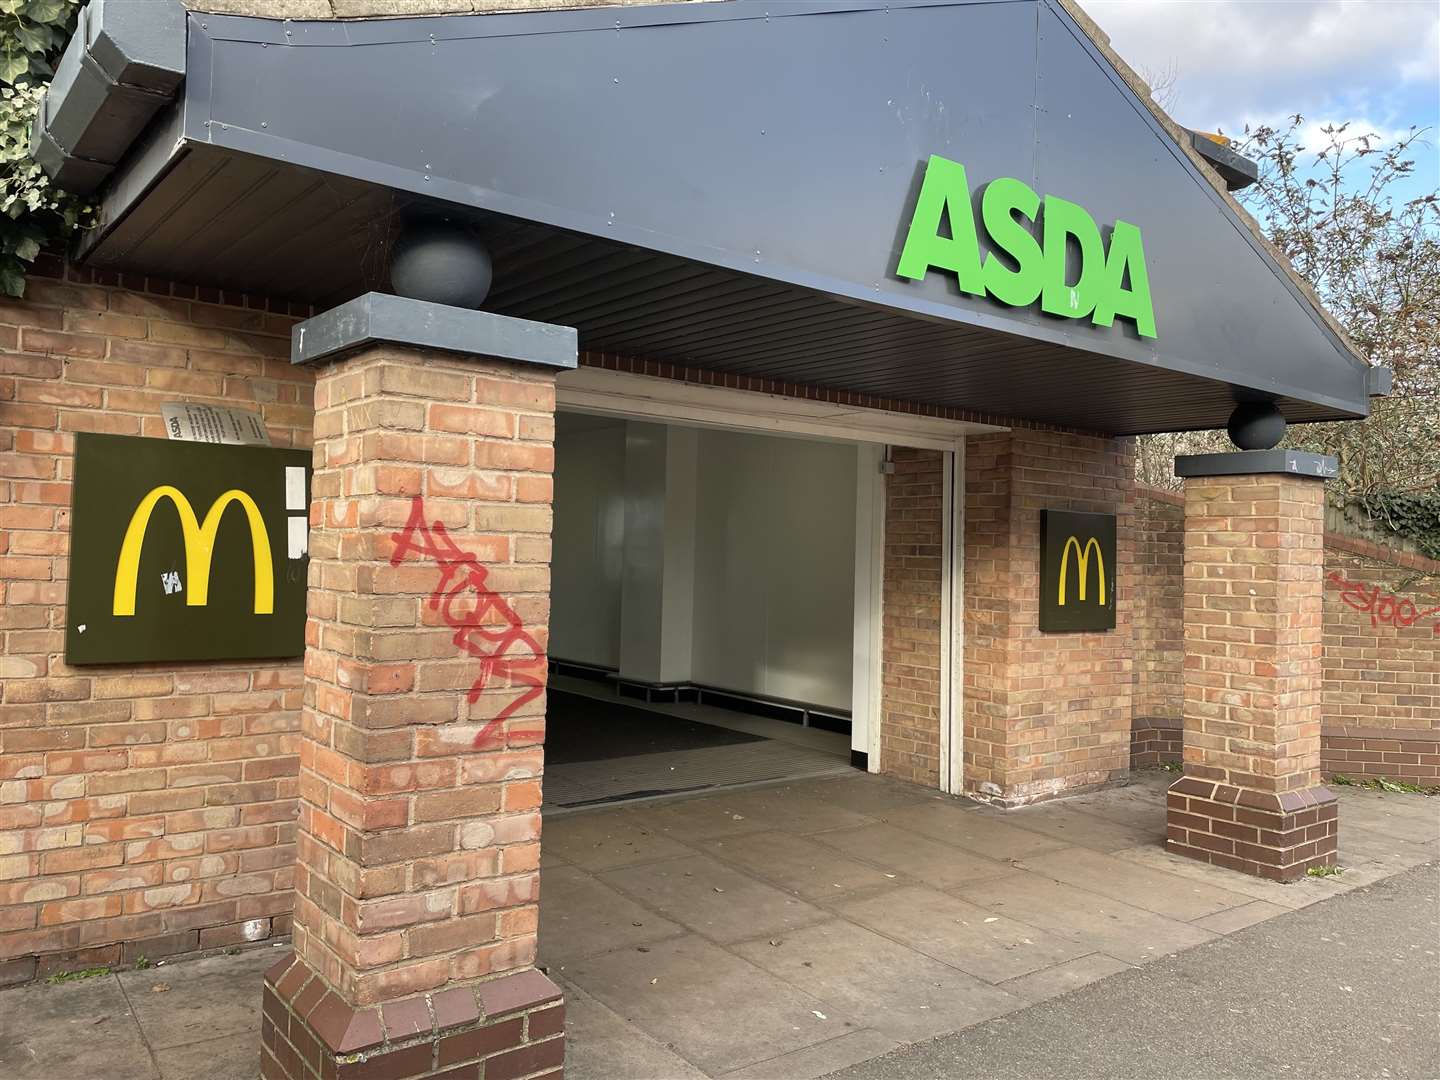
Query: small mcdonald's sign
186	551
1077	571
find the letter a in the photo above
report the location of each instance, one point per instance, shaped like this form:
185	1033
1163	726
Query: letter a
1126	253
944	192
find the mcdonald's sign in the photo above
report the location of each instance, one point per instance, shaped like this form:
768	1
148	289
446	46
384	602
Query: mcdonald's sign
1077	571
186	551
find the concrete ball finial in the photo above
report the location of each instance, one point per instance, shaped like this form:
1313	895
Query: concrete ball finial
1256	425
441	262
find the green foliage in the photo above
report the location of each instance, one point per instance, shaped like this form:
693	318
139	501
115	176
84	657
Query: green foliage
34	214
1415	517
76	976
1337	209
1328	870
1395	787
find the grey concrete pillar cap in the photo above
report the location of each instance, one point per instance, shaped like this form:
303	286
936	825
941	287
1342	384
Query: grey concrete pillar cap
1259	462
382	319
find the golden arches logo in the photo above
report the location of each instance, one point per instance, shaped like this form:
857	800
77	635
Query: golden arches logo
199	549
1082	556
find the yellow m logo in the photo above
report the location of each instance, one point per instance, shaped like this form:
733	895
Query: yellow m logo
199	547
1083	558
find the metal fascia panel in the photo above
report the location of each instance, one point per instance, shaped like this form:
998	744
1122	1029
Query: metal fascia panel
123	65
748	175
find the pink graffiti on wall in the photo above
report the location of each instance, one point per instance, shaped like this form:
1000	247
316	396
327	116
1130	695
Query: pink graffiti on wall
1383	607
485	625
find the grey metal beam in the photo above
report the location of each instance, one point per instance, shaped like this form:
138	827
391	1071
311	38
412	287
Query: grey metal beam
1257	463
378	318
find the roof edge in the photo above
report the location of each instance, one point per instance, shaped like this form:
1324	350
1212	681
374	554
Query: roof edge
1180	136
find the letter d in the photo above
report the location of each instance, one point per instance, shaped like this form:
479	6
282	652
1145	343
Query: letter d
1063	219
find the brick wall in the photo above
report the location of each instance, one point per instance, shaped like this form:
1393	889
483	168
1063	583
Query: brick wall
1159	605
1382	663
144	810
1381	697
1045	714
910	676
1159	624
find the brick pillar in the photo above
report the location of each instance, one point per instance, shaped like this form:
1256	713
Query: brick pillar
1046	714
419	831
1251	797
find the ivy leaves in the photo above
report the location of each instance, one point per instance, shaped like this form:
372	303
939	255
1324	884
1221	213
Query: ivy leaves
32	34
1413	516
34	214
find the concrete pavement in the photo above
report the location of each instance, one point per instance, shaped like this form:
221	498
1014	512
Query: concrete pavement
786	931
1344	989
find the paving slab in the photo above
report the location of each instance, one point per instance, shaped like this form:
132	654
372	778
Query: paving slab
1074	826
1227	922
692	820
797	864
71	1030
817	1060
582	916
1361	844
898	991
1137	805
989	946
1293	895
712	899
201	1001
1097	922
984	832
791	808
868	793
1051	982
929	861
1409	817
605	839
1154	890
231	1057
709	1006
602	1045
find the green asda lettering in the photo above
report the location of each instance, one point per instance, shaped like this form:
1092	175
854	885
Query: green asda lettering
1111	282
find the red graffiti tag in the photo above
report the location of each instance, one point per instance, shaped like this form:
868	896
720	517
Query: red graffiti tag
485	625
1382	607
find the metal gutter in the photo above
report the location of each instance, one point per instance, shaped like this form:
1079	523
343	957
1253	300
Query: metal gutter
125	62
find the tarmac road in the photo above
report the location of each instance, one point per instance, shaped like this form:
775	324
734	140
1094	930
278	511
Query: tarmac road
1346	988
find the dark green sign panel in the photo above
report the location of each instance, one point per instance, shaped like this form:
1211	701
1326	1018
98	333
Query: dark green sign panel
186	551
1077	571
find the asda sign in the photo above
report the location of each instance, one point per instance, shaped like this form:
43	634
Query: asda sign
1031	238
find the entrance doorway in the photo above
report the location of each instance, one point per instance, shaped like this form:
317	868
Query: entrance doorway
717	587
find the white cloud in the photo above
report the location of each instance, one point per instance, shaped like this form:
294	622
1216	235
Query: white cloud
1260	59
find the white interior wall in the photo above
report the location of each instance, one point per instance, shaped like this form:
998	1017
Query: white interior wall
588	560
658	591
775	567
723	558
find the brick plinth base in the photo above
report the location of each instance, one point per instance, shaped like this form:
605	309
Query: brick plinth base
1271	835
509	1027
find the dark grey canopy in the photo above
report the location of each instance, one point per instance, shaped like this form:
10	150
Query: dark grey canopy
729	185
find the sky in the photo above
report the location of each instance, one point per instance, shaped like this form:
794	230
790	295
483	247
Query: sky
1375	63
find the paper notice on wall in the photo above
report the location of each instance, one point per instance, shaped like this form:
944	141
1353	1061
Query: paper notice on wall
191	422
298	537
295	488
